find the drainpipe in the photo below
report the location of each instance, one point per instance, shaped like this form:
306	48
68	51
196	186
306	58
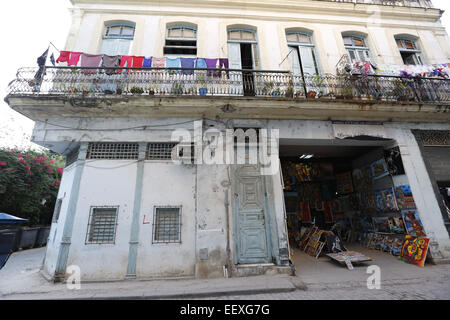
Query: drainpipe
227	205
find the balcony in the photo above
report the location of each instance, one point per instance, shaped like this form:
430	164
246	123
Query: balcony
89	82
177	92
395	3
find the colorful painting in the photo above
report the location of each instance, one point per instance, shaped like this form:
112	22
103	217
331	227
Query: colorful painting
305	212
415	250
385	200
397	247
388	244
412	222
328	212
344	183
381	224
379	169
405	200
313	243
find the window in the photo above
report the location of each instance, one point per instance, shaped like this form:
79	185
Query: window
167	225
160	151
357	48
57	210
302	53
117	39
181	40
409	51
112	150
241	35
102	225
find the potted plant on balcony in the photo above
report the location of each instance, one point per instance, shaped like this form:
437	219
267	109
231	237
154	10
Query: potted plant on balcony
203	90
290	90
177	88
137	90
267	88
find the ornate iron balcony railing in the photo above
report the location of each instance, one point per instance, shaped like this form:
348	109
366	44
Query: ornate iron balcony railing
396	3
92	82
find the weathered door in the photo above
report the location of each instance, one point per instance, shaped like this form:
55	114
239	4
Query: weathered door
251	237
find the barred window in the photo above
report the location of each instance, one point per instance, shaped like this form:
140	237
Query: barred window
57	210
167	225
160	150
102	225
113	150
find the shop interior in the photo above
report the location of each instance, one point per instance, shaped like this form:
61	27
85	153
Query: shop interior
346	198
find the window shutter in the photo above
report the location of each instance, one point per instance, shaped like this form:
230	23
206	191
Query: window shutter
308	64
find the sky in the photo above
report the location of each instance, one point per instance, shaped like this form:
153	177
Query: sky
28	27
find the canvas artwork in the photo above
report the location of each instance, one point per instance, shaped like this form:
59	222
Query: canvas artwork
412	222
415	250
404	197
380	242
379	169
313	243
305	212
305	237
327	210
381	224
385	200
388	244
334	244
344	183
397	247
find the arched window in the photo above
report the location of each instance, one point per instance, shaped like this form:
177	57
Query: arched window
241	35
302	53
409	50
181	40
356	47
117	39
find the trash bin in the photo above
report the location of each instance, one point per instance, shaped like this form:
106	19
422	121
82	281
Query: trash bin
7	240
28	238
42	236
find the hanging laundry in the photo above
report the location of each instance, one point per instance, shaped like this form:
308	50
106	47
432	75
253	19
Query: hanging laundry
211	63
41	63
173	63
223	63
63	56
110	61
159	63
126	61
52	59
90	60
200	63
74	58
187	63
137	62
147	62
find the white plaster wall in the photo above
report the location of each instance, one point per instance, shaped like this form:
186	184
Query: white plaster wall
104	183
56	229
270	23
166	184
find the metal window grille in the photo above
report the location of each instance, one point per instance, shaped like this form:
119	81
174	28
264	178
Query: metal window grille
112	150
57	210
167	225
102	225
160	151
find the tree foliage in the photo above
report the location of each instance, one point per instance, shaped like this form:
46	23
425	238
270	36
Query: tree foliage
29	183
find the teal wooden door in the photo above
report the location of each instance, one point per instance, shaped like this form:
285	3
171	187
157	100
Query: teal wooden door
251	237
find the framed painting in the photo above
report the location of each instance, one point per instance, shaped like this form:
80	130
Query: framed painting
415	249
344	184
404	197
379	169
412	222
305	212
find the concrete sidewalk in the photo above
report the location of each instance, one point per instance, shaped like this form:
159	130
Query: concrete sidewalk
21	279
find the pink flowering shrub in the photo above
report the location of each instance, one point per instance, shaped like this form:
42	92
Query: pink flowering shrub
27	178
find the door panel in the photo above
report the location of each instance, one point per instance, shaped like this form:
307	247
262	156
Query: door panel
234	59
249	209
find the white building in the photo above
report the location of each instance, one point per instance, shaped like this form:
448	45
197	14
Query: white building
126	210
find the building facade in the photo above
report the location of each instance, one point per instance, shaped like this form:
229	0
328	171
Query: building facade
307	68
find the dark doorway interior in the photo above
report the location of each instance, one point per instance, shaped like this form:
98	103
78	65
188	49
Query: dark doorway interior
247	63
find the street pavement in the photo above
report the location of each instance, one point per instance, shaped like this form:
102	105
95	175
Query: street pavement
316	279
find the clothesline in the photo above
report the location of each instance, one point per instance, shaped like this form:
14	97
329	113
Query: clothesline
103	60
425	71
